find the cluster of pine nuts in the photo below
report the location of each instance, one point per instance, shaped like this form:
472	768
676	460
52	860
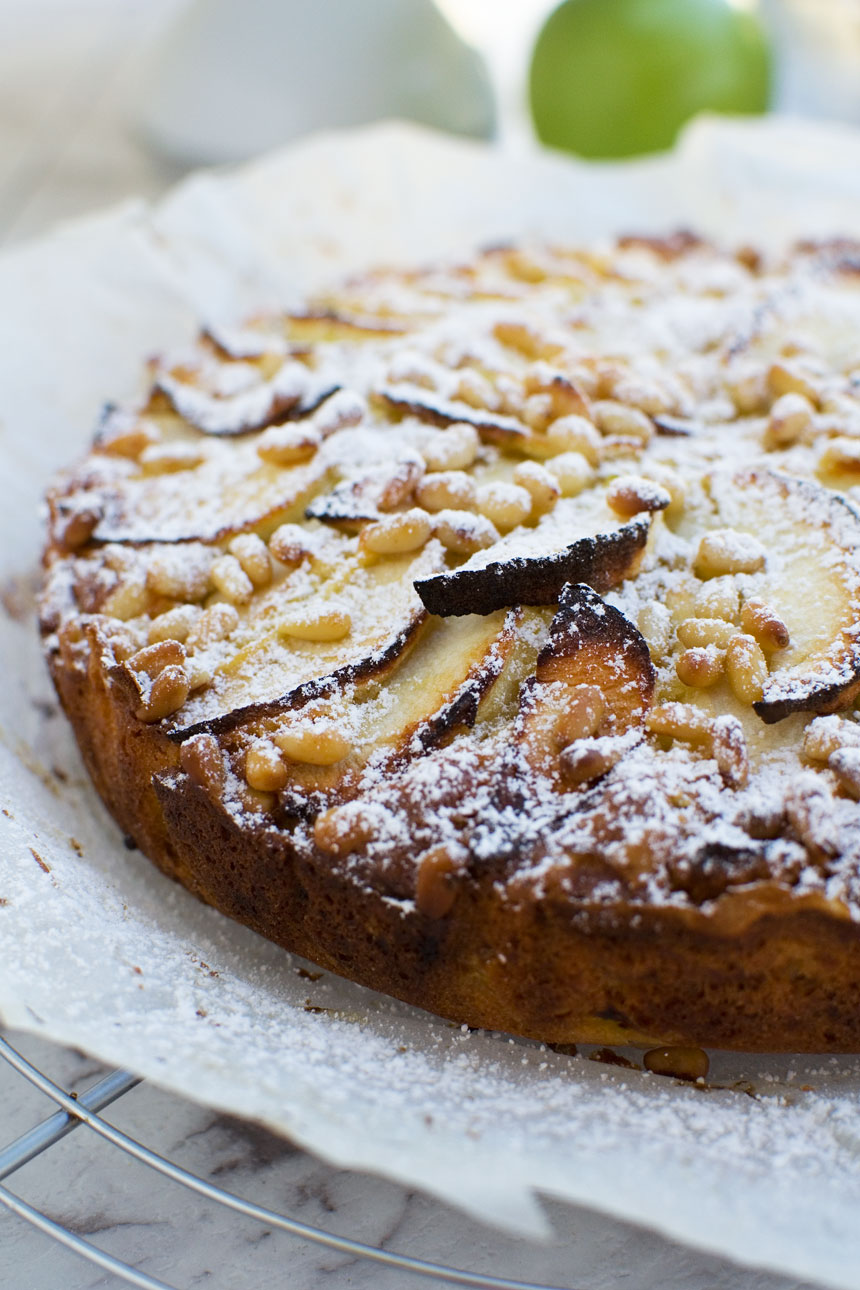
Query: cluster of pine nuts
719	737
309	739
835	742
170	457
715	645
726	551
162	679
435	886
315	621
630	495
346	828
287	445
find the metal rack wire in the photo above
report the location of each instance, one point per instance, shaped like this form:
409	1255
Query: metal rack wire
84	1110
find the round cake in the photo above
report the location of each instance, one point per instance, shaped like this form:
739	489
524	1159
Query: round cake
489	634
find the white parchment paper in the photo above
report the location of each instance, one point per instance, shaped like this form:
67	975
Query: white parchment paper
100	951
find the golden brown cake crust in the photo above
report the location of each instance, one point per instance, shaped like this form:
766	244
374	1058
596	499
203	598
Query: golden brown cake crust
554	812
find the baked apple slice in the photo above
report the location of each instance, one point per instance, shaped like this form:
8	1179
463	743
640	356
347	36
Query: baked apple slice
593	684
323	743
293	392
413	400
178	485
580	540
362	495
810	580
335	620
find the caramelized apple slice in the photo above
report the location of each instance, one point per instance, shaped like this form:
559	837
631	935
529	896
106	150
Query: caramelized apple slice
593	684
314	633
581	540
294	391
423	699
811	580
362	495
185	487
438	411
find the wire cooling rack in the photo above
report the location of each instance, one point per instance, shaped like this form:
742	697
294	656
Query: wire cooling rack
82	1110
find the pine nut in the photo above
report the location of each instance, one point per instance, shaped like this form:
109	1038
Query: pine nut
748	390
435	891
316	623
730	751
636	392
762	622
454	448
790	417
572	471
76	525
839	454
448	489
198	675
845	764
790	378
542	486
397	534
504	505
746	667
694	632
167	693
129	443
681	1063
680	721
174	625
655	623
253	556
584	710
718	598
537	412
231	580
726	551
463	533
630	495
618	447
129	600
287	445
614	418
168	458
565	397
522	337
180	572
826	735
345	408
200	758
153	659
399	489
213	625
587	759
264	769
343	829
700	667
574	434
318	743
669	479
290	544
476	390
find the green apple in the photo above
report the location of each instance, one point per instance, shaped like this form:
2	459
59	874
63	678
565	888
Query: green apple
614	78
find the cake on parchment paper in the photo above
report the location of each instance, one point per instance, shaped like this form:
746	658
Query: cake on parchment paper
489	634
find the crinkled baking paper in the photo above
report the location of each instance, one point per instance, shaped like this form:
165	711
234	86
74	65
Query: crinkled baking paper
98	950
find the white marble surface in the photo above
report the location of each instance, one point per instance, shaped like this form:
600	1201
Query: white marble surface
65	148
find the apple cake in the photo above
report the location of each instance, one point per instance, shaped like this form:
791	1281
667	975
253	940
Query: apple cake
489	634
